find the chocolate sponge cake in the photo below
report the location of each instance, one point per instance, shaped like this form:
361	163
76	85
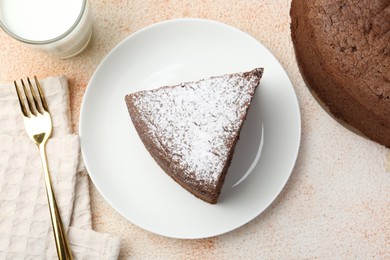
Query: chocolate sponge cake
343	52
191	129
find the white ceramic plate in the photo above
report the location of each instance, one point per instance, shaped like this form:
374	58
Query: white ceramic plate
126	175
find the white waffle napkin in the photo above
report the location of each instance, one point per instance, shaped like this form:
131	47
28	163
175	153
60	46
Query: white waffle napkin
25	225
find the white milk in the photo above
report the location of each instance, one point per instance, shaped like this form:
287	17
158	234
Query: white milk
60	27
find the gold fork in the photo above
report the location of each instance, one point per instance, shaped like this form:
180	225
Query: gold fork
38	124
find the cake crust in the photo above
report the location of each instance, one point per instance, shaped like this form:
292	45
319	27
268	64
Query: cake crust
343	52
191	129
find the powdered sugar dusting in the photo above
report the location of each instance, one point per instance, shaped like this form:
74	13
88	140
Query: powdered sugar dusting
194	124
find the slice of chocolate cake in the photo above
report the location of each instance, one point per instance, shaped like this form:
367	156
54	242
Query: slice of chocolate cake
191	129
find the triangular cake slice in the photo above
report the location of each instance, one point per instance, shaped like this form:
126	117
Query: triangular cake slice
191	129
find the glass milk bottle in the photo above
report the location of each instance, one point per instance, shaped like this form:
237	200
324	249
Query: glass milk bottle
62	28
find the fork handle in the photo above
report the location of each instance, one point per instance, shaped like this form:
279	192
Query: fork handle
63	249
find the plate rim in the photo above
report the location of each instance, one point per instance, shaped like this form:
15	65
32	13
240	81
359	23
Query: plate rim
198	20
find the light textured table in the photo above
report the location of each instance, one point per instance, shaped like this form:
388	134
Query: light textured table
337	201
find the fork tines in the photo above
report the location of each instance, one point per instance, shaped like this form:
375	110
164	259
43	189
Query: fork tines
35	104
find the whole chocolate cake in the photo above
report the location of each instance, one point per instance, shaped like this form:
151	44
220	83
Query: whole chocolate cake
343	52
191	129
